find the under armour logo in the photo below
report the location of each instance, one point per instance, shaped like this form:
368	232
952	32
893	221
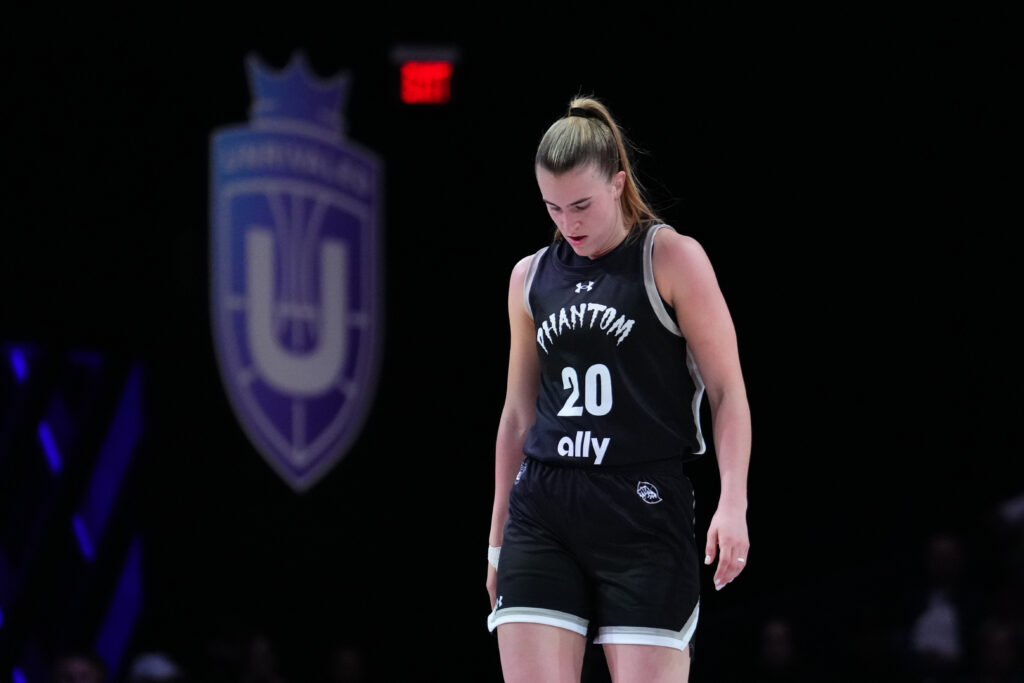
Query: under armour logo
584	286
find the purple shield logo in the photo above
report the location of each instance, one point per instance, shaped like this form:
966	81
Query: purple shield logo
295	276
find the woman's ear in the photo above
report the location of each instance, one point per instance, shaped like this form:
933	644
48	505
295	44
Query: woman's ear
619	181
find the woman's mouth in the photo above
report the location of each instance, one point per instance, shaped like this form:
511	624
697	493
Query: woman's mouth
577	239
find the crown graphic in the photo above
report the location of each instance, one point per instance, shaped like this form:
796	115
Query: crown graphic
296	93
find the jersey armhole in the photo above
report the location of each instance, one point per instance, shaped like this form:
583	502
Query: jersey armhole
528	281
653	296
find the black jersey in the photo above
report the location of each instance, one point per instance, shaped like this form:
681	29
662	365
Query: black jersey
618	383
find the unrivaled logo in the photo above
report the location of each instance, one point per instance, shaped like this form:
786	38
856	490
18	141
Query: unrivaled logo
648	492
295	283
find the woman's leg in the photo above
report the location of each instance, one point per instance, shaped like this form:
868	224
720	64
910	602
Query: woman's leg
647	664
538	653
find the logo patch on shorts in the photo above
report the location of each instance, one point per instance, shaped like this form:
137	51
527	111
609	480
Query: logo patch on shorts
648	492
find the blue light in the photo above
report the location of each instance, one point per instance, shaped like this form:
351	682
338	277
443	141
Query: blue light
123	610
114	459
18	363
49	447
1	618
18	677
84	542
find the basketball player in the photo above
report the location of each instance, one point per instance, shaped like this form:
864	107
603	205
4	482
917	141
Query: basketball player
618	328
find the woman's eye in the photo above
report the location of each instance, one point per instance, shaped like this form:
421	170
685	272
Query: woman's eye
583	208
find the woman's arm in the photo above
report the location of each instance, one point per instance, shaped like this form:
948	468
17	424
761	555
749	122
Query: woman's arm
687	281
518	413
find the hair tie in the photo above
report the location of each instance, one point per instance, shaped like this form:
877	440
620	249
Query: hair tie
582	113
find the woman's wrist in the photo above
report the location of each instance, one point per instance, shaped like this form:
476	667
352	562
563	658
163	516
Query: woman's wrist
493	551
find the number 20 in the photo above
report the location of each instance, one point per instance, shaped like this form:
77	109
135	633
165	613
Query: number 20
597	391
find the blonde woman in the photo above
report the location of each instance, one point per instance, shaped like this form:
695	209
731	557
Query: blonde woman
619	332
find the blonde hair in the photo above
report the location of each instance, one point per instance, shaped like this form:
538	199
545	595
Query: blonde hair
588	134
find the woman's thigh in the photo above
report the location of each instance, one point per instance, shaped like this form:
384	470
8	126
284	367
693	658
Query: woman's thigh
538	653
647	664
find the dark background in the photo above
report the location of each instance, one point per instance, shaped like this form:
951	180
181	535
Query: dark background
848	172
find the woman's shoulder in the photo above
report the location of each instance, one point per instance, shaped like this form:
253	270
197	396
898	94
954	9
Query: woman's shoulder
524	265
672	245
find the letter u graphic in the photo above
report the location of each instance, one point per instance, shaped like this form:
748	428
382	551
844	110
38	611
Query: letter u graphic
306	374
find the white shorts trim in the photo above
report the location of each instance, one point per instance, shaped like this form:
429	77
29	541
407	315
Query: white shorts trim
633	635
534	615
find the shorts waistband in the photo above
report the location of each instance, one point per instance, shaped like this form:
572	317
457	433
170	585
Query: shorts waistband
666	465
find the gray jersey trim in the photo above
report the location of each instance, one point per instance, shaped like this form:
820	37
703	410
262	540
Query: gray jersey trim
651	286
528	282
671	326
698	381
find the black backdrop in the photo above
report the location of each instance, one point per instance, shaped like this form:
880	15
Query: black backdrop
847	174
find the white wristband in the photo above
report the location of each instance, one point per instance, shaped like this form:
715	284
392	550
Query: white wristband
492	554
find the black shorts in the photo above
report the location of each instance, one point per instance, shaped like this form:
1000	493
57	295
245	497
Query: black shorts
607	551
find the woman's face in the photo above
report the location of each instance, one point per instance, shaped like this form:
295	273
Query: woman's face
584	206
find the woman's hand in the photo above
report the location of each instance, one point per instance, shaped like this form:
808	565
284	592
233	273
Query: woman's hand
728	534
